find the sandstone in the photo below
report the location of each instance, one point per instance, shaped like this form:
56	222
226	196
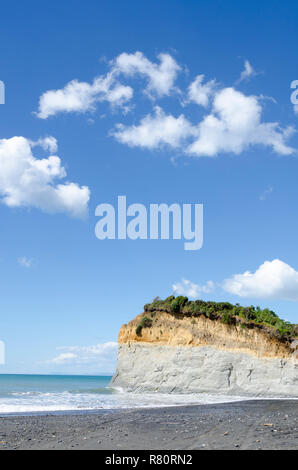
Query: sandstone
183	355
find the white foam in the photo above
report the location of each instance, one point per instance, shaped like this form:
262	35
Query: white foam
65	401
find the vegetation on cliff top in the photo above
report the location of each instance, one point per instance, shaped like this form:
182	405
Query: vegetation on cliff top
225	312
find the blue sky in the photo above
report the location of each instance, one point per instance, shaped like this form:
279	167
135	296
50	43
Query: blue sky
62	287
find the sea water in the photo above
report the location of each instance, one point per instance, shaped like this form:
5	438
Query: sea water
40	394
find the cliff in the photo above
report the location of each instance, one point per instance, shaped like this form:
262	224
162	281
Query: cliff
186	351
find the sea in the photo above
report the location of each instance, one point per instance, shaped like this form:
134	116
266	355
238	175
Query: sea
63	394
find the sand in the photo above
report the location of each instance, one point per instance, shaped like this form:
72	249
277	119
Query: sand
256	424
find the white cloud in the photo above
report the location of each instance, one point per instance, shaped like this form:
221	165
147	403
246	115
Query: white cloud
102	356
63	358
26	181
25	262
272	280
248	72
155	131
200	93
47	143
266	193
161	77
191	290
234	125
81	96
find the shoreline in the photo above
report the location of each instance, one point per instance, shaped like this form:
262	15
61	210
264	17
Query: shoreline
249	424
75	412
91	411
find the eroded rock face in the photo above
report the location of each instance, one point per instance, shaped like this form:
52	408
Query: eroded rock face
147	367
183	355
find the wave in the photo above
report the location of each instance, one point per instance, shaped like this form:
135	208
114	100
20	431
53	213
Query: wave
45	402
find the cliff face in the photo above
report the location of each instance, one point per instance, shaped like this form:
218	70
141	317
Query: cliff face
169	330
202	355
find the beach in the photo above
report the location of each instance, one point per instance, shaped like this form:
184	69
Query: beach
250	424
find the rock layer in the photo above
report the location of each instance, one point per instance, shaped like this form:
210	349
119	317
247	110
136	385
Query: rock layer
202	355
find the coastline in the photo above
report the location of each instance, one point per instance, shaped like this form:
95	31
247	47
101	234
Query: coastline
241	425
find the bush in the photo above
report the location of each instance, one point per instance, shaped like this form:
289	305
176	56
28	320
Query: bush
248	313
144	323
139	330
266	316
178	303
224	311
227	318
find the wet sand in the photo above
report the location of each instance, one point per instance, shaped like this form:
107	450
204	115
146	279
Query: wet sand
257	424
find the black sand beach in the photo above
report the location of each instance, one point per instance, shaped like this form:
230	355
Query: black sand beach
256	424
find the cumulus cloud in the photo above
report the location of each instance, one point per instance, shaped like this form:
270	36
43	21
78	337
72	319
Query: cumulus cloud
272	280
80	97
160	76
102	356
200	92
25	262
232	125
155	131
27	181
248	72
191	290
235	125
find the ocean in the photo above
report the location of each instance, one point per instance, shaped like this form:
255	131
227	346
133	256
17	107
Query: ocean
41	394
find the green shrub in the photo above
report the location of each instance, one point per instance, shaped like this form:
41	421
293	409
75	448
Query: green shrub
266	316
178	303
224	311
139	330
227	318
144	323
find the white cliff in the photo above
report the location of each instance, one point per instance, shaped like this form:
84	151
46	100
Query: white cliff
202	355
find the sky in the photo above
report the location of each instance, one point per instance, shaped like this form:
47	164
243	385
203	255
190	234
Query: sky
162	102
